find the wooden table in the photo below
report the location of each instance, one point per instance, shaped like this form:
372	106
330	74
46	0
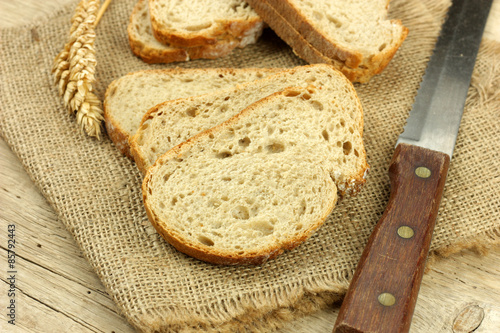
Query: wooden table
57	291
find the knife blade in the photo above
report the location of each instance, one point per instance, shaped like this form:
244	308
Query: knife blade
384	289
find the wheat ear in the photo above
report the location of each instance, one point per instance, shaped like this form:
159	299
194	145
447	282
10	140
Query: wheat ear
74	69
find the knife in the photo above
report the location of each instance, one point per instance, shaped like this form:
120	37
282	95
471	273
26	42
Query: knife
383	292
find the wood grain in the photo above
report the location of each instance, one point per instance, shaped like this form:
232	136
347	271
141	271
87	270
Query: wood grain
392	265
57	291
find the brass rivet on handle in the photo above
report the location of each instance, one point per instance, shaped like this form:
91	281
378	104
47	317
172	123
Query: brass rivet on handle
386	299
423	172
405	232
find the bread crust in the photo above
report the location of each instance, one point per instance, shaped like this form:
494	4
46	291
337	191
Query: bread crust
115	131
317	40
151	54
233	30
230	31
302	47
146	52
207	253
135	152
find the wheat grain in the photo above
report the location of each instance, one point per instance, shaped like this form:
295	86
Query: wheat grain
74	70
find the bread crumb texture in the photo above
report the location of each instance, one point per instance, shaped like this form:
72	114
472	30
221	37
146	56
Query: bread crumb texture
259	183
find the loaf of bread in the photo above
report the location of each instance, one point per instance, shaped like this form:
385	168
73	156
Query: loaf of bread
189	23
355	37
150	50
261	182
173	122
128	98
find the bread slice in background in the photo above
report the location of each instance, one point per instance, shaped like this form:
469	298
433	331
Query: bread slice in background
128	98
150	50
355	37
259	183
173	122
189	23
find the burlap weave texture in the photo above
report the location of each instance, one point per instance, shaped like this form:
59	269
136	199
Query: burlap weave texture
96	191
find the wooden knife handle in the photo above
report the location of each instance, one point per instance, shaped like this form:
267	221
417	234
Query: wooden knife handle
384	289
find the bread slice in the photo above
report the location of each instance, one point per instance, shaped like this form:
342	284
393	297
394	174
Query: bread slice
168	124
128	98
355	37
189	23
261	182
150	50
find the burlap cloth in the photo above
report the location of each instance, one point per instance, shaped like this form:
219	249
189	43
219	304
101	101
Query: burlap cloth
96	191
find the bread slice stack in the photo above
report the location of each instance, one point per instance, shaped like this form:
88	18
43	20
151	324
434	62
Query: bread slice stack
241	174
164	31
173	122
354	36
129	97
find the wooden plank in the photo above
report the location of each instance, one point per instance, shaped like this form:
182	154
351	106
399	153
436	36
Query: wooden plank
451	286
34	316
80	305
52	275
41	235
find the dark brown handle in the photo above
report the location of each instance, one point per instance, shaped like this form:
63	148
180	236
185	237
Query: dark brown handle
384	289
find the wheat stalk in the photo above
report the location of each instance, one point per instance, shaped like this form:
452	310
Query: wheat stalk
74	68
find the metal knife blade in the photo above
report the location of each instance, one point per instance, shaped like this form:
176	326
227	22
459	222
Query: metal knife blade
384	289
435	117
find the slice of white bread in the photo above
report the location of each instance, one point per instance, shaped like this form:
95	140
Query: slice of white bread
259	183
170	123
128	98
189	23
356	37
150	50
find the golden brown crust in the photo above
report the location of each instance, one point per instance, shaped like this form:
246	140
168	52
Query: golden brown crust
116	134
115	131
147	53
315	38
302	47
153	55
382	59
135	152
232	30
